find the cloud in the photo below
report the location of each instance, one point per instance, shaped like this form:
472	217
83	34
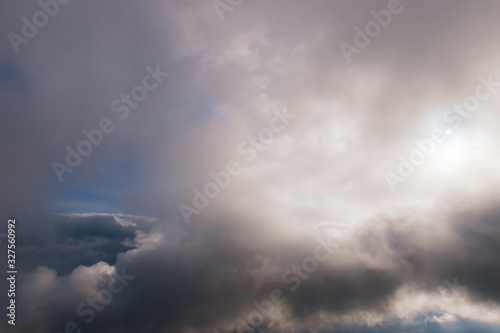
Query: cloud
391	252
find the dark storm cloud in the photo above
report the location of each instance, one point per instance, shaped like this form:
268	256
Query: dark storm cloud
204	282
469	254
66	242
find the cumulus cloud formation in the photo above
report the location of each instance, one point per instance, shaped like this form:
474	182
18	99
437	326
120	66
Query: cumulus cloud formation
252	166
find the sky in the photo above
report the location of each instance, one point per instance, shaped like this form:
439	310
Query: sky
250	166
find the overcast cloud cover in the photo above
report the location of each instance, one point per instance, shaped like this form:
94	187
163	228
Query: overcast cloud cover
357	171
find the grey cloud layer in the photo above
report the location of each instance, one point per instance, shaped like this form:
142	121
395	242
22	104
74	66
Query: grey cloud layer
204	282
353	120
